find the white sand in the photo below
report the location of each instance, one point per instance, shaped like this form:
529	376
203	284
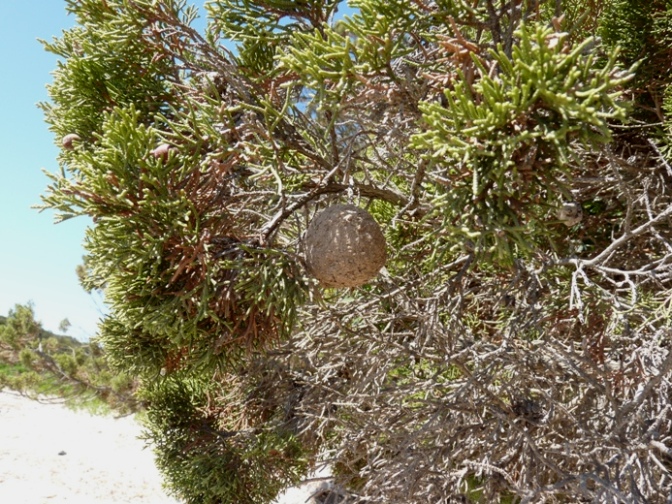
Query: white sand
50	454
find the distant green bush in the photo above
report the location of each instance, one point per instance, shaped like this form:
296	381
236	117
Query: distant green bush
34	361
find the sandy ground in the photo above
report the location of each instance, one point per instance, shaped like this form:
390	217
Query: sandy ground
50	454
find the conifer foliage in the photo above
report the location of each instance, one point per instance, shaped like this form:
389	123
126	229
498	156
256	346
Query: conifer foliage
514	348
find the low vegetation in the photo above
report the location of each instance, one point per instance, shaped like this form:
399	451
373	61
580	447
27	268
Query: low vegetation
37	362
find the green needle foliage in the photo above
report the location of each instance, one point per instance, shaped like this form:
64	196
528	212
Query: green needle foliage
210	456
506	139
515	348
643	29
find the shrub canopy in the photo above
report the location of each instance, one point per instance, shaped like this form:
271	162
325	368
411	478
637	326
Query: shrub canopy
507	352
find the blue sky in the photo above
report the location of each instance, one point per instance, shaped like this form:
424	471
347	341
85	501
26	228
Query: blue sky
37	257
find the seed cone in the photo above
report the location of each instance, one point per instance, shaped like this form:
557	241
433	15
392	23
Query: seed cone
161	152
69	140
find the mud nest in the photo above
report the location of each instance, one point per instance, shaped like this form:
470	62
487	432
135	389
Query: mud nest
344	246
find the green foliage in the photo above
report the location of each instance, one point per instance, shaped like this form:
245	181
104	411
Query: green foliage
104	69
464	127
363	44
204	459
643	31
152	246
506	139
19	324
261	28
34	361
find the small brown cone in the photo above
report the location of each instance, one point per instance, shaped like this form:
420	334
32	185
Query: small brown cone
161	152
69	140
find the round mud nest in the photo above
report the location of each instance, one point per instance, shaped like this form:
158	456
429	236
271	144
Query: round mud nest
344	246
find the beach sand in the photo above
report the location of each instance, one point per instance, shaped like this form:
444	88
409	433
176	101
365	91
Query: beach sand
50	454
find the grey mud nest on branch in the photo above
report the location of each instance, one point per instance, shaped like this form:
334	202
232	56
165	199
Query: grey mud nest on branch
344	247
